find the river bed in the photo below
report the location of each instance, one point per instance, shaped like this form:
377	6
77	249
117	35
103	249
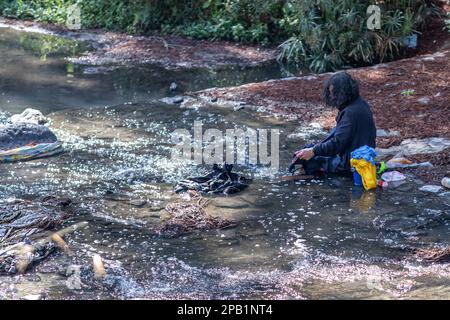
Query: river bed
294	240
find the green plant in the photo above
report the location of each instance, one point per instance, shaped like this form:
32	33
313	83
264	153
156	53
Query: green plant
408	92
332	33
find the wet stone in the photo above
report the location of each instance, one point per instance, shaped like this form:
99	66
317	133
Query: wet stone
138	203
387	133
229	203
431	188
173	100
405	187
424	100
22	218
116	196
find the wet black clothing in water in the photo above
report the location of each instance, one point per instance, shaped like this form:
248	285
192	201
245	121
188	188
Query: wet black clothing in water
355	128
318	166
220	180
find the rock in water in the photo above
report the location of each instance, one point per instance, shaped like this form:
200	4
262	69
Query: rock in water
172	100
99	269
29	116
446	182
431	188
173	87
21	134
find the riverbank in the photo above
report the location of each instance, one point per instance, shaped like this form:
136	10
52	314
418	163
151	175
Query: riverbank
170	52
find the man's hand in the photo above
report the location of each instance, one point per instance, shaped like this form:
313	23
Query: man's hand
305	154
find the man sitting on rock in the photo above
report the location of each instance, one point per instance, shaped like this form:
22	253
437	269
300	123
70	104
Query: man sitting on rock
355	128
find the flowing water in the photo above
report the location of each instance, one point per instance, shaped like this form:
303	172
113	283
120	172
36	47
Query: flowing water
293	240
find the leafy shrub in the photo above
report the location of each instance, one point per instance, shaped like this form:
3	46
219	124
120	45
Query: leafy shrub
323	34
334	33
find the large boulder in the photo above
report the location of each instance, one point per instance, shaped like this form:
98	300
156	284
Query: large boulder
21	134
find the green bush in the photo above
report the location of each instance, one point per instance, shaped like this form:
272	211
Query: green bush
322	34
334	33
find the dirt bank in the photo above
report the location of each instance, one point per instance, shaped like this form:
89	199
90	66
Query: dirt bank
171	52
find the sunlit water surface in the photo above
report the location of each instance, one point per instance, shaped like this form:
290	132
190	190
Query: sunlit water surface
294	240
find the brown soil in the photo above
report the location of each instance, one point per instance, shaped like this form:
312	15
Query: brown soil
434	175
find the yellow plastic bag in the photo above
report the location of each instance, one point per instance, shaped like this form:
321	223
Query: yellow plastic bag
367	171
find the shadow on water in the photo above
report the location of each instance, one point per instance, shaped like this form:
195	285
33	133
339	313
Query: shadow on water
303	239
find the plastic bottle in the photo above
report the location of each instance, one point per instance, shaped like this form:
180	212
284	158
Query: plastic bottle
382	184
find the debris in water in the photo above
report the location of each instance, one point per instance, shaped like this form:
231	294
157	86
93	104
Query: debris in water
434	255
20	219
405	163
99	268
189	215
19	257
393	176
59	241
399	160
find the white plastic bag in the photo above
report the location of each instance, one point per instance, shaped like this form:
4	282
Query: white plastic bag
393	176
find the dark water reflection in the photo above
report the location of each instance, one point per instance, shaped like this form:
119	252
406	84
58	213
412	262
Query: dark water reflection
34	72
304	239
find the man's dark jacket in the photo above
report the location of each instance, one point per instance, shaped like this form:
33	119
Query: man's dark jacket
355	128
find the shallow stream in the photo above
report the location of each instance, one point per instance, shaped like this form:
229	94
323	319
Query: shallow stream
294	240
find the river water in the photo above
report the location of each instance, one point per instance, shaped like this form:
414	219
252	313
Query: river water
294	240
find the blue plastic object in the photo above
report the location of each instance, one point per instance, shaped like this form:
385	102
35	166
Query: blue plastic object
357	178
367	153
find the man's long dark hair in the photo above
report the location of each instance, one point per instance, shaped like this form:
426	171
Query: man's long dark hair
340	90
